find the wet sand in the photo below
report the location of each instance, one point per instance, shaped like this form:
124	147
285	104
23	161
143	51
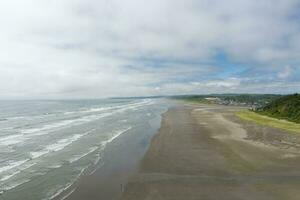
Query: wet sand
204	152
119	162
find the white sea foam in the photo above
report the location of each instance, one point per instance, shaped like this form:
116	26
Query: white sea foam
32	129
12	185
57	193
97	159
20	169
11	139
28	133
43	130
101	109
54	166
78	157
104	143
6	177
59	145
91	110
37	154
62	124
117	134
16	118
12	164
135	106
69	193
119	108
69	185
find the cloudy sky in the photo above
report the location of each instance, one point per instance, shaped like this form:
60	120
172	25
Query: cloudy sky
104	48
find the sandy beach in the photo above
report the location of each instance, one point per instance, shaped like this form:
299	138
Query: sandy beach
205	152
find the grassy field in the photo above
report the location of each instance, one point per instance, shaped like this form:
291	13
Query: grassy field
269	121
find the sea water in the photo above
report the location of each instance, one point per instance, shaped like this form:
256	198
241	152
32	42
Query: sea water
45	146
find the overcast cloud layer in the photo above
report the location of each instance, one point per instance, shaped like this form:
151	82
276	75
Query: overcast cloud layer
103	48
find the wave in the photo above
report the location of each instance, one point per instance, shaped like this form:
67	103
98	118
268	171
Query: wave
62	124
12	164
82	111
15	118
90	110
67	195
55	166
59	145
27	133
10	175
60	191
78	157
92	149
11	139
67	186
110	108
118	133
48	127
13	185
135	106
4	178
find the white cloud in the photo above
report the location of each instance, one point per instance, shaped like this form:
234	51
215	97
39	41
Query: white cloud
99	48
285	73
229	83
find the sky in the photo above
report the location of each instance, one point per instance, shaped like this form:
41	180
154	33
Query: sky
108	48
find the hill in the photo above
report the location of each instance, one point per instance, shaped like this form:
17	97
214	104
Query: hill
286	107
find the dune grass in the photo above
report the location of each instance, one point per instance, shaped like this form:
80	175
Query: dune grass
269	121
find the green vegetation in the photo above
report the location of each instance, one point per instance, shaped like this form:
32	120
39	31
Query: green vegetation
286	107
269	121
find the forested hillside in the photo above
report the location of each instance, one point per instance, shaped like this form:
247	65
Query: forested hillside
286	107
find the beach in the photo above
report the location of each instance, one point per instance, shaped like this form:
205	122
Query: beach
146	149
206	152
150	100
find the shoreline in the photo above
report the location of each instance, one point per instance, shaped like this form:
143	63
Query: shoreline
206	152
120	160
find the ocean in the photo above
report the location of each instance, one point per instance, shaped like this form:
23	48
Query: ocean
46	146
